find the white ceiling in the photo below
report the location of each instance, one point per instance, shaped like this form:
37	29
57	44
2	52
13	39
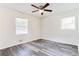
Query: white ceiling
27	8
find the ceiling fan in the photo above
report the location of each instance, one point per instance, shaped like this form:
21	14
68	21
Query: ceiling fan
41	8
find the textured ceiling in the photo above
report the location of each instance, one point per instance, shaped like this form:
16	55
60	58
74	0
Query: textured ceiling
27	8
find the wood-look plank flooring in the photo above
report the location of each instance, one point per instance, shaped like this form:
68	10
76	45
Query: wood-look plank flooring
41	48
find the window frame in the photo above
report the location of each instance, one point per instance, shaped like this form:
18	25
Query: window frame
64	25
19	30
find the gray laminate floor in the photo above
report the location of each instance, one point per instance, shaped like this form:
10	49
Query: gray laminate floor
41	48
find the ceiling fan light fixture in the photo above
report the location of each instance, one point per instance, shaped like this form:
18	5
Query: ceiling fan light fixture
41	11
41	8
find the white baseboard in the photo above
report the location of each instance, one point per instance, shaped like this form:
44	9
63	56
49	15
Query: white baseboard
17	44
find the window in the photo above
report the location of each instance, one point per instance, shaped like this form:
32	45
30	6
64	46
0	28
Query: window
68	23
21	26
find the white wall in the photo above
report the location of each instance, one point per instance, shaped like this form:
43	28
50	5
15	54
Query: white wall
78	30
8	28
51	28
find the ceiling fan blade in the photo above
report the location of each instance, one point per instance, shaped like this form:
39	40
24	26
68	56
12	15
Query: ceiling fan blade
34	6
42	13
48	10
35	11
47	4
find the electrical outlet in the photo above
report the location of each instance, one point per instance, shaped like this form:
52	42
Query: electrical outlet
20	40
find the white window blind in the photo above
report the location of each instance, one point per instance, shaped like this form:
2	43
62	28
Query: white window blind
68	23
21	26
